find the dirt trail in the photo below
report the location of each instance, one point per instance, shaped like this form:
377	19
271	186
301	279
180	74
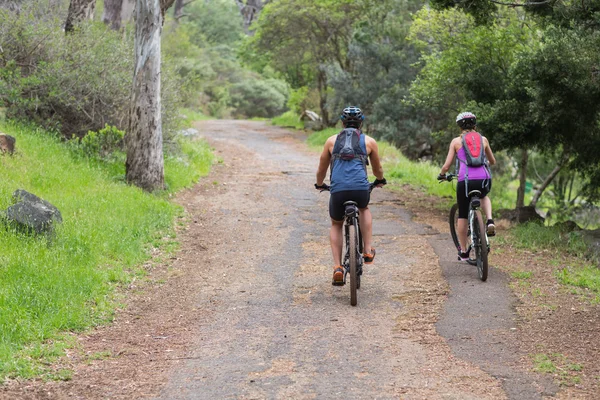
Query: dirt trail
247	311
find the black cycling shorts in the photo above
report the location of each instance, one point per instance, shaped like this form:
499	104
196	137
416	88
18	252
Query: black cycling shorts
483	185
337	200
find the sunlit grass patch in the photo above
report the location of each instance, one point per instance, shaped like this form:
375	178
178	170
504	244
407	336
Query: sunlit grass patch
587	277
189	116
288	119
317	139
535	236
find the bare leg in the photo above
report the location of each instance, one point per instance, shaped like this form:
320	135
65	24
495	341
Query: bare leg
365	219
486	205
461	229
335	238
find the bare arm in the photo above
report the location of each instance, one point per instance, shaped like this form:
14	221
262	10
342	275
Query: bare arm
449	158
373	151
324	160
488	152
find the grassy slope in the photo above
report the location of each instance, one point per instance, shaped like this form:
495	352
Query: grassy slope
67	285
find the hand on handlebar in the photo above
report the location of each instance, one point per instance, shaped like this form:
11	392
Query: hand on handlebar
322	187
379	183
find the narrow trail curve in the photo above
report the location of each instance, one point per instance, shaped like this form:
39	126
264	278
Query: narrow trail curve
272	325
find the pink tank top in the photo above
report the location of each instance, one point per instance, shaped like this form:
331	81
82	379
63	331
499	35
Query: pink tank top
474	172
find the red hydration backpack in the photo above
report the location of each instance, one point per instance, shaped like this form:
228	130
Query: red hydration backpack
472	142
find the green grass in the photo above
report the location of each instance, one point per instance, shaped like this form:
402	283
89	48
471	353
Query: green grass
522	274
587	276
289	119
543	363
190	116
317	139
534	236
67	285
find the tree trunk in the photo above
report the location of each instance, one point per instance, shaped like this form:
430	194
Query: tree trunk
522	177
112	13
322	85
145	163
250	9
549	179
79	10
178	10
127	11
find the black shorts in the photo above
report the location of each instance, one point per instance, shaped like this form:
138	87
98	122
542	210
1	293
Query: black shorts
337	200
483	185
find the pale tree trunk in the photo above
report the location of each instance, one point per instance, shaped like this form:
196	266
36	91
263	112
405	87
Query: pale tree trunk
522	178
79	10
145	163
112	13
250	9
127	11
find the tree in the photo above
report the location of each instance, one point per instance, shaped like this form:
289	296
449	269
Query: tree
250	10
145	163
302	38
111	15
79	10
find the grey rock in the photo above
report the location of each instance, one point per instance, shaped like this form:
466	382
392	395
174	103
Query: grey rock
32	214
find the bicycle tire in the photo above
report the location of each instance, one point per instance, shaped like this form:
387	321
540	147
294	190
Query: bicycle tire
481	250
361	251
352	236
452	221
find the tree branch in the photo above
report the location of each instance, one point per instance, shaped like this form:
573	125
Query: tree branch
527	4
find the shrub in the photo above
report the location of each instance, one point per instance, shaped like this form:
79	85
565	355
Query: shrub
102	143
259	98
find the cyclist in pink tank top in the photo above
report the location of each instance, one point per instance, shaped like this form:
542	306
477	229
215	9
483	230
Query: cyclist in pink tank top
476	177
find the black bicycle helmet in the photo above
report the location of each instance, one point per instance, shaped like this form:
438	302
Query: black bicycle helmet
352	116
466	120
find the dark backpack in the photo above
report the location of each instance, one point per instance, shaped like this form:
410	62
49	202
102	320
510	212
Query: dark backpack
472	142
347	147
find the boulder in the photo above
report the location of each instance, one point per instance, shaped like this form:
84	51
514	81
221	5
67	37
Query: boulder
7	143
32	214
521	214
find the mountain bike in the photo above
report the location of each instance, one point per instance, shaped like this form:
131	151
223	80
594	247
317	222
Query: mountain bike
477	239
353	260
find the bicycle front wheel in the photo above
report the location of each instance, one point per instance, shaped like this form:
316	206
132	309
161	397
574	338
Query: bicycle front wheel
352	247
453	220
481	250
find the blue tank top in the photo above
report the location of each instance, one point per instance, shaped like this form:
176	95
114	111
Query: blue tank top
349	175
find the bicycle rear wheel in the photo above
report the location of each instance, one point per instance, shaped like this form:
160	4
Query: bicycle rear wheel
481	250
352	247
453	220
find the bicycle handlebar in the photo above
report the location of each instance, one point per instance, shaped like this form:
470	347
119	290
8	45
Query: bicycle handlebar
448	177
325	187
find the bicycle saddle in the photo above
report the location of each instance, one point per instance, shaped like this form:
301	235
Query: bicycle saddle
350	207
474	193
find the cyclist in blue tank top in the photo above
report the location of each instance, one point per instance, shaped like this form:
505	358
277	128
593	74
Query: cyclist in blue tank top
349	181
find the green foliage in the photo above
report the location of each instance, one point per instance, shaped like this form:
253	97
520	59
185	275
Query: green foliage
108	230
